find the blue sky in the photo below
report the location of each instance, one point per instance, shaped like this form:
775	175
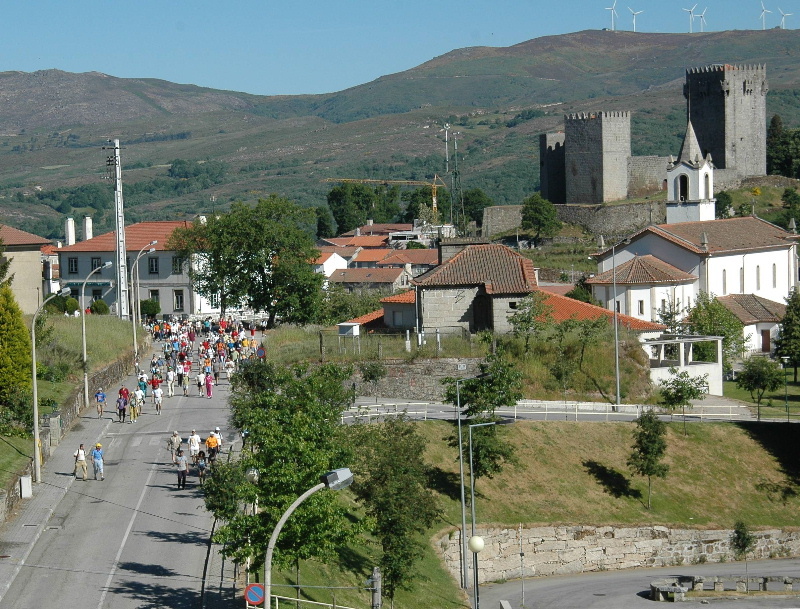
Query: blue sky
310	46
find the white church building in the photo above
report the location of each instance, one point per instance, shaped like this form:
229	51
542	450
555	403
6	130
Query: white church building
749	264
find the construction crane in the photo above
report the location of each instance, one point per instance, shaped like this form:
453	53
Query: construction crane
436	183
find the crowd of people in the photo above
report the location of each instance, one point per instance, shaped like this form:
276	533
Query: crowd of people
193	352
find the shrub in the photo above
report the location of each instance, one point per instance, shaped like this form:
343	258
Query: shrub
99	307
149	308
71	305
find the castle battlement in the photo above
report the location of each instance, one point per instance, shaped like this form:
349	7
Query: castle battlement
585	116
728	67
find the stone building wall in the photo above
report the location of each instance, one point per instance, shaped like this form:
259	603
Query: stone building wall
552	181
559	550
417	380
646	174
448	308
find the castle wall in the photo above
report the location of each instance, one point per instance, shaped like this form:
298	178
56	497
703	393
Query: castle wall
646	174
552	180
727	105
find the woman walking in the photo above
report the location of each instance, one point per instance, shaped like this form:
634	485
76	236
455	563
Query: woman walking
209	381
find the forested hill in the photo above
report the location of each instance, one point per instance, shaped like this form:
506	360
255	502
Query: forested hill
53	124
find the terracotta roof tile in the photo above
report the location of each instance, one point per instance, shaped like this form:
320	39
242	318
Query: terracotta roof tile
366	319
323	257
366	241
751	309
389	275
344	252
401	257
557	289
378	229
408	297
496	267
137	236
643	270
13	236
728	235
563	308
372	255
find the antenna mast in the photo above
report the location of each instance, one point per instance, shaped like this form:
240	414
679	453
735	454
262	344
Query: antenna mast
114	163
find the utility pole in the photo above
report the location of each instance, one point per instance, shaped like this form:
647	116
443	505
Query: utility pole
114	164
374	583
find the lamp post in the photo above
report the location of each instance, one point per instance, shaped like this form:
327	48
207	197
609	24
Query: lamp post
785	359
83	333
335	481
135	299
472	540
616	316
464	568
37	462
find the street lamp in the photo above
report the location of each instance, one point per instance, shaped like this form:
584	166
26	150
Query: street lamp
785	359
464	568
83	333
616	315
335	480
474	541
37	462
135	299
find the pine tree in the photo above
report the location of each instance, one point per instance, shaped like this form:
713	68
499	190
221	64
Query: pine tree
788	342
15	348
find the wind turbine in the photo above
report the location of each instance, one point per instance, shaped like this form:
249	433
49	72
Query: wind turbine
634	13
702	18
691	16
783	17
613	9
764	12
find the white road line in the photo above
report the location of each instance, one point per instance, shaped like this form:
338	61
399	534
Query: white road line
125	537
136	441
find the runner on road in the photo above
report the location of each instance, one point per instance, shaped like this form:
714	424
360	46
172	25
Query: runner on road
100	398
97	461
158	397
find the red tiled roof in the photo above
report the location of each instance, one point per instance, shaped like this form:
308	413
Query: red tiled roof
137	236
13	236
642	270
496	267
369	317
561	289
728	235
367	241
751	309
49	249
408	297
323	257
413	256
563	309
365	275
378	229
344	252
372	255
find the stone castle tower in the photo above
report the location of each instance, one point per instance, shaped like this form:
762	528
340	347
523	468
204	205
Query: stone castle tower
727	106
552	182
596	154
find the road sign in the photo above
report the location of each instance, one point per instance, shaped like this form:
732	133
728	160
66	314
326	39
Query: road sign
261	353
254	594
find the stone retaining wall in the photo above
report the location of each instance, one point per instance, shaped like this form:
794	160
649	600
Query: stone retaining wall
416	380
559	550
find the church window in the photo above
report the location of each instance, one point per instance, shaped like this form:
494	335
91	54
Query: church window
706	187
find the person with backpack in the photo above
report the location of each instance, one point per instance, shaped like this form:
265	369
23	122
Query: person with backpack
80	462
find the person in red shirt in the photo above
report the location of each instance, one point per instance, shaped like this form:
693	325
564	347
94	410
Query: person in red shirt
124	393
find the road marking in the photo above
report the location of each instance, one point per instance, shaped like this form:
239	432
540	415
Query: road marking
125	537
136	441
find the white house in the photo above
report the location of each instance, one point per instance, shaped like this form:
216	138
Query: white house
162	274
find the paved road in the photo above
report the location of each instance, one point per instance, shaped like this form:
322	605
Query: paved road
132	540
630	589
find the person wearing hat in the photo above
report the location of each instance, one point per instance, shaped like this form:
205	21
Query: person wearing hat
97	461
100	399
174	444
194	446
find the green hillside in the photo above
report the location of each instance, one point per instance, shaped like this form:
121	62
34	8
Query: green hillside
53	125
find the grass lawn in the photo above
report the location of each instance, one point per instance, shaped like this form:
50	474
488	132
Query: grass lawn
773	403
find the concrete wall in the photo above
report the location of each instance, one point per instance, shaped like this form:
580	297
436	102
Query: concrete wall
26	267
558	550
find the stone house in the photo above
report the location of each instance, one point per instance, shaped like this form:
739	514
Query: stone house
25	252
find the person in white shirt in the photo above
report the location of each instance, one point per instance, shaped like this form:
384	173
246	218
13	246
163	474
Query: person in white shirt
194	446
170	383
158	396
80	462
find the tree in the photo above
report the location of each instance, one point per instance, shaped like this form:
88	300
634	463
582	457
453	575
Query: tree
590	331
723	208
532	317
418	205
391	483
776	147
679	389
292	417
791	203
5	263
649	448
99	307
742	542
72	305
582	292
709	318
758	376
325	222
351	204
15	348
372	372
258	256
474	202
149	308
788	342
539	215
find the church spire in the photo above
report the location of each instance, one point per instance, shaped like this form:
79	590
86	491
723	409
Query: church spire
690	149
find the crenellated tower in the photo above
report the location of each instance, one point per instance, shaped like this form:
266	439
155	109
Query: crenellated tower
727	106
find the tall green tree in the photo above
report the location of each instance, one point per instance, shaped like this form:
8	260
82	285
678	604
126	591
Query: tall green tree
391	481
532	317
474	202
709	318
539	216
15	348
723	208
351	205
759	375
5	263
649	449
776	147
680	389
788	342
292	418
326	225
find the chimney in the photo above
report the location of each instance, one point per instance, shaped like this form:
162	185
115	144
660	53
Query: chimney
369	222
87	228
704	241
69	231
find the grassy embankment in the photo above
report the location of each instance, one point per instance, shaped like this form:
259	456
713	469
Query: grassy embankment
107	338
576	473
